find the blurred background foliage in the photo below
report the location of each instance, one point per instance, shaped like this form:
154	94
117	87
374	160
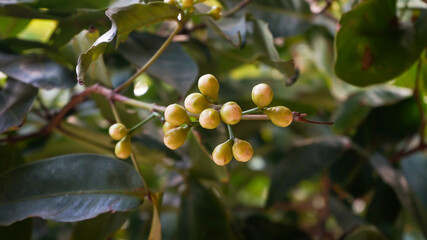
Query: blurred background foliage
359	64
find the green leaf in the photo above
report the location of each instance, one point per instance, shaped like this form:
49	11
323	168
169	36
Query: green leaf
265	44
16	99
285	17
303	161
181	70
125	20
373	47
344	214
36	70
10	27
350	114
18	231
69	188
232	28
365	233
100	227
202	216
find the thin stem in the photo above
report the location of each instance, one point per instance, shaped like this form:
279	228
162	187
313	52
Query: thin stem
237	8
142	123
152	59
252	110
419	98
114	110
230	132
136	166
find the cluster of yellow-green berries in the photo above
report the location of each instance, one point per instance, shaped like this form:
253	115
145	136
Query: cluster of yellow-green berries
123	147
215	12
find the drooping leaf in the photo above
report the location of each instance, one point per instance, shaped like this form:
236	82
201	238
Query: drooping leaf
202	216
125	20
373	46
232	28
100	227
349	115
156	229
174	66
16	99
36	70
69	188
310	157
365	233
265	44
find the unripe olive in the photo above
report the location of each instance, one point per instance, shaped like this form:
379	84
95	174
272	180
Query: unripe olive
231	113
262	95
167	126
222	154
117	131
123	148
215	12
187	4
209	118
242	150
196	103
175	138
280	115
209	86
176	115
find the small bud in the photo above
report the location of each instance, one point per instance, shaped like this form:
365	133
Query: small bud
262	95
123	148
209	86
215	12
175	138
209	118
222	154
118	131
196	103
231	113
242	150
280	115
176	115
167	126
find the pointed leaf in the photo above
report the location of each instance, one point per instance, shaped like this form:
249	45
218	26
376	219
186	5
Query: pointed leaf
69	188
16	99
100	227
125	20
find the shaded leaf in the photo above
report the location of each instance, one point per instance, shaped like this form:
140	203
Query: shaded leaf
202	216
156	229
265	44
365	233
18	231
16	99
344	214
310	157
10	27
100	227
174	66
36	70
373	47
232	28
69	188
125	20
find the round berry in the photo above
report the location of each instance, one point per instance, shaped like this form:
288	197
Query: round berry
262	95
175	138
222	154
280	115
196	103
231	113
167	126
242	150
209	86
209	118
123	148
187	4
117	131
176	115
215	12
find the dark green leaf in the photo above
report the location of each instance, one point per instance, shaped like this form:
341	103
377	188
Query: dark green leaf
36	70
10	27
265	44
16	99
233	29
356	108
69	188
11	156
365	233
100	227
18	231
181	70
373	47
308	158
344	214
202	216
124	21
